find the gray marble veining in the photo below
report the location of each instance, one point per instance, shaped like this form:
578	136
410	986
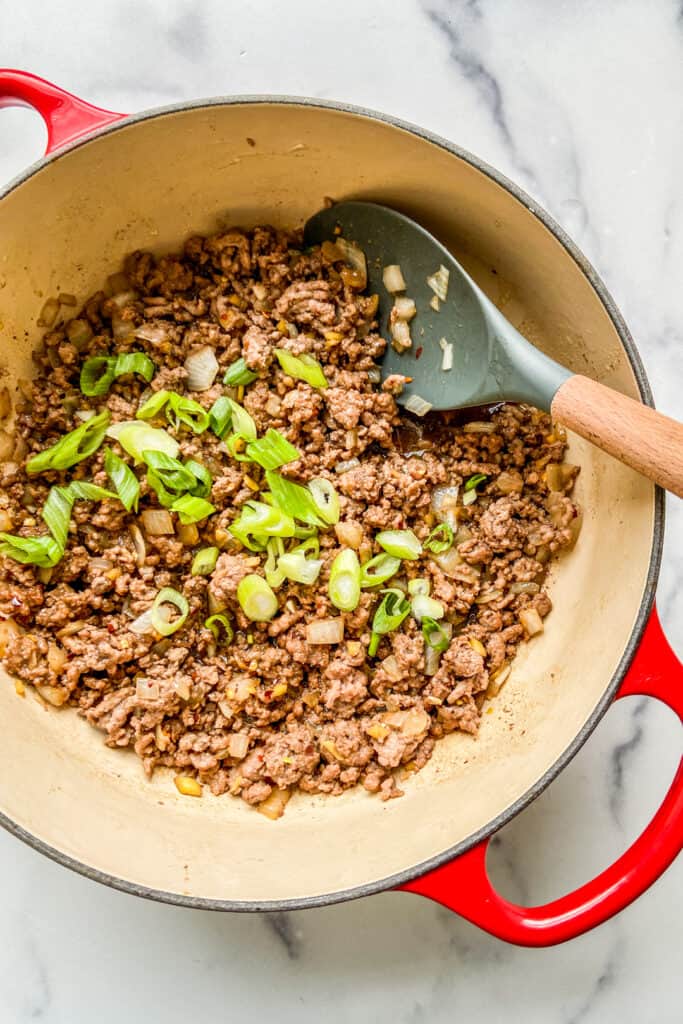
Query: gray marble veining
582	104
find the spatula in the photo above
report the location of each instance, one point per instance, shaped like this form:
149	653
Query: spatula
491	360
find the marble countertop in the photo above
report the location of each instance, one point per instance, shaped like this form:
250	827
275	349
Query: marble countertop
582	104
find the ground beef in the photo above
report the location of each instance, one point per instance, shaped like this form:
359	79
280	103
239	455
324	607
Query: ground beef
268	712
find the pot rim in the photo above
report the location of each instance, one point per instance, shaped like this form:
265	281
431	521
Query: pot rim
415	871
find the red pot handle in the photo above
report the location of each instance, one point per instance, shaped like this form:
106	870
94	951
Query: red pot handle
464	886
66	117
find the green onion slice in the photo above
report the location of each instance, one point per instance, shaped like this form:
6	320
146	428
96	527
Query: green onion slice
136	438
44	552
158	617
204	562
435	635
303	367
272	451
295	500
256	598
440	539
75	446
179	411
393	609
475	480
274	575
259	521
418	586
124	480
99	372
297	566
345	581
325	499
203	480
239	373
424	607
57	513
220	415
192	510
242	423
378	570
173	474
400	544
216	623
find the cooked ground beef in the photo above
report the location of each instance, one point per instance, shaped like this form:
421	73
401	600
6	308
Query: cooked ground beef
270	712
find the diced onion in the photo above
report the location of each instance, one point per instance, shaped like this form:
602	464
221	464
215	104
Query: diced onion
391	667
417	405
469	497
138	544
374	375
404	308
238	745
479	427
202	367
273	806
447	358
325	631
146	689
157	522
345	465
400	336
438	282
355	258
48	313
531	620
393	279
349	534
524	588
434	303
426	607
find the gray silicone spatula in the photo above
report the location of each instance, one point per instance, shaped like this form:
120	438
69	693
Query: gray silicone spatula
492	361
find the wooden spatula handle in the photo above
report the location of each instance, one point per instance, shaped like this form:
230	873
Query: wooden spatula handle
633	433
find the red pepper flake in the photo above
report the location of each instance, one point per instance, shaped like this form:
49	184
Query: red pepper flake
267	694
111	628
418	351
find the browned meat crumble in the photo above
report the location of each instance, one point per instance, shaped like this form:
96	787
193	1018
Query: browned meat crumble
271	712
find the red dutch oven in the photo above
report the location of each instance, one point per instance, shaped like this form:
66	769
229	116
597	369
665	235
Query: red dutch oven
109	184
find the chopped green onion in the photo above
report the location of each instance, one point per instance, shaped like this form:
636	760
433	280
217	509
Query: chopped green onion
220	415
97	375
258	521
378	570
203	480
124	480
99	372
57	513
192	510
204	562
345	578
136	438
424	607
272	451
435	635
440	539
235	445
242	423
393	609
153	406
73	447
418	587
214	622
325	498
83	490
160	623
256	599
469	497
303	367
44	551
475	480
274	575
239	373
172	473
400	544
179	410
295	500
298	568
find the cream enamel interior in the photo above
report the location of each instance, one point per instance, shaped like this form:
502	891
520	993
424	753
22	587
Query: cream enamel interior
150	184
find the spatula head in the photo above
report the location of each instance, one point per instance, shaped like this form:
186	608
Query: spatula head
491	361
387	237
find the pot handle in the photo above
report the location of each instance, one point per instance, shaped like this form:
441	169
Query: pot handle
464	886
66	117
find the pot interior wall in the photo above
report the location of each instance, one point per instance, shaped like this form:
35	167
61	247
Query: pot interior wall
149	185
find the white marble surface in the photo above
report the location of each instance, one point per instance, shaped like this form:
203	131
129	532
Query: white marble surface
582	104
